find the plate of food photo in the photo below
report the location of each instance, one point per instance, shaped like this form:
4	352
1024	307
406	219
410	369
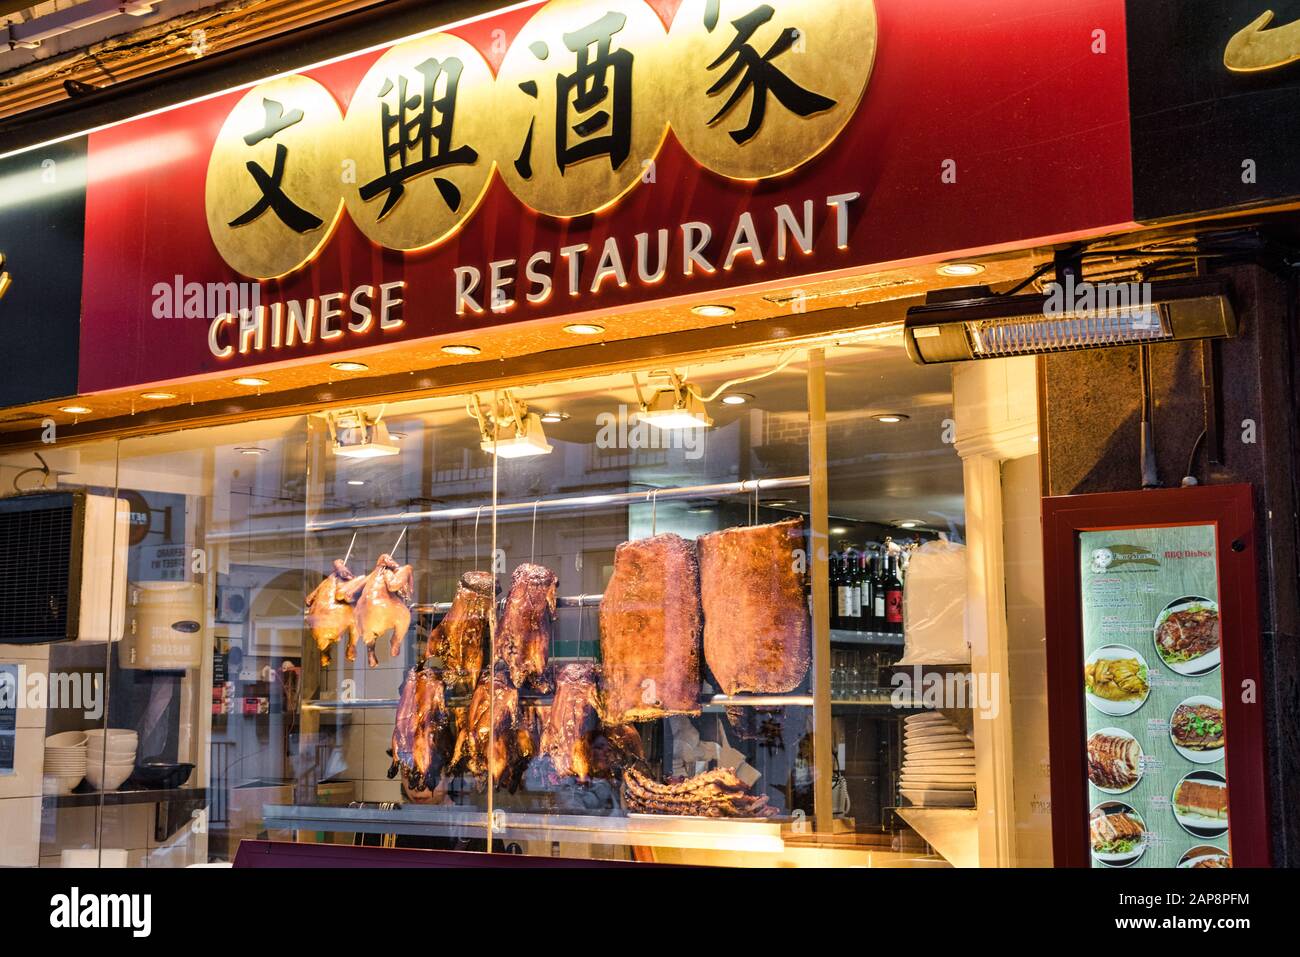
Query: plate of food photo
1205	856
1186	635
1200	802
1114	760
1197	730
1117	834
1115	679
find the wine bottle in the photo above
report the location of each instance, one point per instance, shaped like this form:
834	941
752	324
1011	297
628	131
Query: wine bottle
879	622
867	591
893	596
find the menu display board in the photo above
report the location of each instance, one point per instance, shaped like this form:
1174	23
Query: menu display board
1155	735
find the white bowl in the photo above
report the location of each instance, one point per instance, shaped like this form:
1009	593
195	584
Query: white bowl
112	752
108	778
60	783
52	763
67	739
113	736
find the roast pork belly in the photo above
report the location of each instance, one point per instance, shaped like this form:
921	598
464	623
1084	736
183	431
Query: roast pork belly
461	638
755	612
523	639
650	625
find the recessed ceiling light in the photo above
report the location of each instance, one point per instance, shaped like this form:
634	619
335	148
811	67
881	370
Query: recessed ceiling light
252	380
778	502
960	269
736	398
396	436
891	418
251	450
908	523
714	310
356	481
552	417
75	409
461	350
349	366
157	395
700	509
584	328
837	530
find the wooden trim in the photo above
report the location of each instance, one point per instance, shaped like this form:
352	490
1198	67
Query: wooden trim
819	507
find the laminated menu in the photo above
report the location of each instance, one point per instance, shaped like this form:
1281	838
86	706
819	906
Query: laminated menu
1155	730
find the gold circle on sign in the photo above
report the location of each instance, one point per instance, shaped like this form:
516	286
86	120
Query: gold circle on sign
271	221
762	87
603	63
421	170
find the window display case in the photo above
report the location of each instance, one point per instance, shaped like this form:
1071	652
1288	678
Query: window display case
690	613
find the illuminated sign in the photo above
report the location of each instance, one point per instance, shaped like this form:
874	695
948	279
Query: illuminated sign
573	121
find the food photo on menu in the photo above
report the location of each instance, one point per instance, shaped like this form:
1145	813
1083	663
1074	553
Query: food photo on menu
1156	732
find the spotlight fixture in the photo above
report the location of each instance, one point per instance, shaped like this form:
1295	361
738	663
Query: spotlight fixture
891	418
158	395
509	431
461	350
584	328
960	269
973	323
354	435
736	398
349	366
675	406
252	380
251	450
714	310
75	409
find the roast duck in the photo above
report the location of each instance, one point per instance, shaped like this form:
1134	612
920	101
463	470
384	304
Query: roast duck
575	744
756	636
382	604
328	614
650	626
461	638
497	736
523	637
422	734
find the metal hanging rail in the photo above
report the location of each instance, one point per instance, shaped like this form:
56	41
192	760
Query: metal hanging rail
749	486
563	601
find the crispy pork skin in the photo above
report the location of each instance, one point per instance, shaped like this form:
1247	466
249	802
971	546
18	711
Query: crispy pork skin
650	626
755	613
461	638
523	639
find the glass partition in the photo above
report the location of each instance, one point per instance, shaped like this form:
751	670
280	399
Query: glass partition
682	613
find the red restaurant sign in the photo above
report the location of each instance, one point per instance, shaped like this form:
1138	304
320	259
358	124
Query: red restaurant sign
582	156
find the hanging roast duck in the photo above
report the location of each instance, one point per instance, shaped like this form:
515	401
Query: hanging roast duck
328	614
382	604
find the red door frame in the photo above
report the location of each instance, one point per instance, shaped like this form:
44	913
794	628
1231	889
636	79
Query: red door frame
1230	508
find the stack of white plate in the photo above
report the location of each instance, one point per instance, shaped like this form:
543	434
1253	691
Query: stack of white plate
65	761
110	757
938	763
